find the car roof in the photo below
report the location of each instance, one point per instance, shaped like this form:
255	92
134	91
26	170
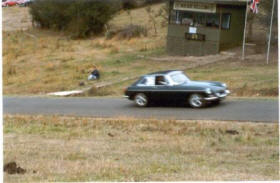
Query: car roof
162	72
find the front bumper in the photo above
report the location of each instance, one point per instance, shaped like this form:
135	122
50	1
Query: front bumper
218	96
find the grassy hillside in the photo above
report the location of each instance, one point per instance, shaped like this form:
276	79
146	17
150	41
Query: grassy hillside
38	61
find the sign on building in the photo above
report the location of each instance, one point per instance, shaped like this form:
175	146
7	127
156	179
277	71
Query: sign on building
195	6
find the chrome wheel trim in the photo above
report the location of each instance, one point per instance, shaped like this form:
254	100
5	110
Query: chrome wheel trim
141	100
196	100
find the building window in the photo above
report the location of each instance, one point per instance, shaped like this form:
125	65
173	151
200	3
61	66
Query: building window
186	18
199	19
226	21
180	17
195	19
212	20
173	17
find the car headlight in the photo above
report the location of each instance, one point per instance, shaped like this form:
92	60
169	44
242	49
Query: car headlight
208	91
224	85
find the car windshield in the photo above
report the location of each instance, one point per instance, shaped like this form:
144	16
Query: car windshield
179	78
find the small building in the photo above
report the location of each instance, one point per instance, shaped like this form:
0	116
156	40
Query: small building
204	27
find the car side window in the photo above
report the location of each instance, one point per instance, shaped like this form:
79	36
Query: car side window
161	80
148	81
143	82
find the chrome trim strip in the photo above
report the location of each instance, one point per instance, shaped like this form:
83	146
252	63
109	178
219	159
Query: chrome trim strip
211	98
218	96
224	95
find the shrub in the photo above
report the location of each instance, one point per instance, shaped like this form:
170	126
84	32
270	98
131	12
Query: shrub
130	4
155	1
132	31
127	32
81	18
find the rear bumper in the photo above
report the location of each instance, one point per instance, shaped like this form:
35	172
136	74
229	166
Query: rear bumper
218	97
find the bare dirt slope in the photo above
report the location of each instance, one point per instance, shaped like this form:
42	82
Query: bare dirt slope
16	18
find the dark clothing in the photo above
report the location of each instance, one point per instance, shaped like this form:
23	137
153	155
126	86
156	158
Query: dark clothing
95	73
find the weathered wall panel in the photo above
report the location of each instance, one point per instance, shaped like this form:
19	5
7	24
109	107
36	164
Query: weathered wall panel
233	36
178	45
216	39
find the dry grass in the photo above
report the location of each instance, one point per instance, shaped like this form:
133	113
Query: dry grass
16	18
53	148
39	61
244	78
46	61
249	78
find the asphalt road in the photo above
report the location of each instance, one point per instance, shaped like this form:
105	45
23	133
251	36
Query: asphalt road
255	110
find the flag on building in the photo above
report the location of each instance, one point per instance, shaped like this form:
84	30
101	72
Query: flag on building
254	6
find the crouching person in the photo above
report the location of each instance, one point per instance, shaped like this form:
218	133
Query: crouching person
94	75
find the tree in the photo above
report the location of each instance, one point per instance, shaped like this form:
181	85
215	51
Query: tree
81	18
263	17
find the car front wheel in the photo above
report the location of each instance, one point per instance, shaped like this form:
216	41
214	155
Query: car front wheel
216	102
141	100
196	101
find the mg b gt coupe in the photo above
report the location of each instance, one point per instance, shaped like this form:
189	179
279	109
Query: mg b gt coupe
175	86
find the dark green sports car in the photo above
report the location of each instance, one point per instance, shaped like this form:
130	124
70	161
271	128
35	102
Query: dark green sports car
174	85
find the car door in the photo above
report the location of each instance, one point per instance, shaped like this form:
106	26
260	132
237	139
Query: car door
162	88
146	86
180	92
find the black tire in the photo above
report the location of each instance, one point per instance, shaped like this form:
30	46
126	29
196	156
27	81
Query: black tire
216	102
141	100
196	100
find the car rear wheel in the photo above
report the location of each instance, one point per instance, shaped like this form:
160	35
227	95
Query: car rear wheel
196	101
141	100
